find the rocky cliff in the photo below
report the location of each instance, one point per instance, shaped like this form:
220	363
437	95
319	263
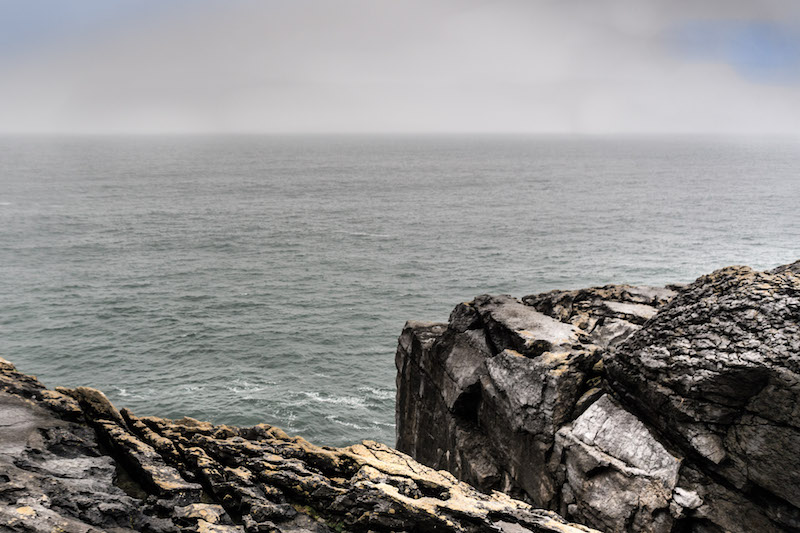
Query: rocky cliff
72	463
629	409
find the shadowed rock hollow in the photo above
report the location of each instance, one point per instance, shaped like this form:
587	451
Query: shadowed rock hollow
625	408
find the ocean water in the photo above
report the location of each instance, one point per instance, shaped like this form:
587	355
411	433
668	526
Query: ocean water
266	279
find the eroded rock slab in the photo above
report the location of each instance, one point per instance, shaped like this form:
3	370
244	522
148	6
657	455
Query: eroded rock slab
70	462
54	478
617	472
718	372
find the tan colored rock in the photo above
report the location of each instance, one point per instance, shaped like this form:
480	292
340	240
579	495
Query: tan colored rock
186	476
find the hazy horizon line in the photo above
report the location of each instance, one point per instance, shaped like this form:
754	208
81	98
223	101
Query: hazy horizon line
649	134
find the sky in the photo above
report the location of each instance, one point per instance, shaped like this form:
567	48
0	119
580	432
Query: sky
403	66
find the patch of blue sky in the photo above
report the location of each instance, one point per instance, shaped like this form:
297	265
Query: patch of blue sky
759	50
27	25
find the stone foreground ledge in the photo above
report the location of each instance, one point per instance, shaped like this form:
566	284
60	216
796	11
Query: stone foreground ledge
72	463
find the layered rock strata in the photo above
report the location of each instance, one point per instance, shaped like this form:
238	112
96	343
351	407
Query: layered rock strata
72	463
630	409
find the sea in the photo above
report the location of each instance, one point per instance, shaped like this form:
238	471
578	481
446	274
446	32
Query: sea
248	279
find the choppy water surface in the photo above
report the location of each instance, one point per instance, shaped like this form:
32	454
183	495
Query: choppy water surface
250	279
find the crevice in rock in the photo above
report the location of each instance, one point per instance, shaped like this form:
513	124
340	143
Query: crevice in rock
467	405
129	484
693	524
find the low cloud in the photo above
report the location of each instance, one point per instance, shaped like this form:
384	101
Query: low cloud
370	65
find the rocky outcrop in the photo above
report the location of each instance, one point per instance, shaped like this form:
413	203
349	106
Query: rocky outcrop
626	408
718	373
72	463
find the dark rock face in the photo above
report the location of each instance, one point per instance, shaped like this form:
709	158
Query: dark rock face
625	408
718	372
485	395
53	476
71	463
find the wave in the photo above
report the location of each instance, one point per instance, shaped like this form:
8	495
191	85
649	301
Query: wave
337	420
366	234
127	395
353	401
241	386
380	394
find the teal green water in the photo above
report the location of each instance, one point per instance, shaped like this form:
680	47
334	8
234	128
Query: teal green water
250	279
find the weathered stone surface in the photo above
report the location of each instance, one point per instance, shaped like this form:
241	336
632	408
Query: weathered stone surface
510	324
53	477
484	395
718	372
608	451
654	410
190	476
609	314
792	267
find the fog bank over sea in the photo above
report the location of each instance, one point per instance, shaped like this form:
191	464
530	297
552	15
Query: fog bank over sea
244	279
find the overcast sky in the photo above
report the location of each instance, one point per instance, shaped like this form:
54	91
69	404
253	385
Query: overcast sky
561	66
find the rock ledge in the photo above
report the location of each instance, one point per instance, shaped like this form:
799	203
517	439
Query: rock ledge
72	463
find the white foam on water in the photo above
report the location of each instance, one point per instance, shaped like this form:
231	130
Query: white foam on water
381	394
337	420
241	386
353	401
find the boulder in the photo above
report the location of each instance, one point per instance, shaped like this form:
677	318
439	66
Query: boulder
717	371
629	409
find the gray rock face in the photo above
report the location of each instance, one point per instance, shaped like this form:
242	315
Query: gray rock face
52	474
72	463
617	472
718	372
625	408
609	313
485	395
